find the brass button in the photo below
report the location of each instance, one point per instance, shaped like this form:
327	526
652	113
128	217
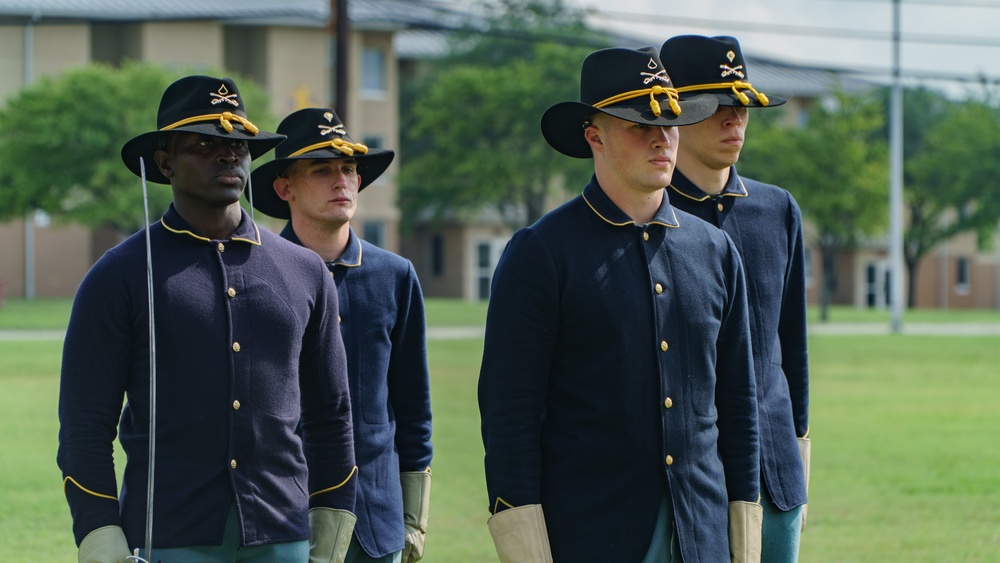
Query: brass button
664	346
659	289
669	460
233	463
222	247
231	292
236	405
236	347
339	320
668	402
645	236
720	207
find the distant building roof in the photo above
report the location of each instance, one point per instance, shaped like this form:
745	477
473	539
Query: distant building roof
785	79
421	27
363	13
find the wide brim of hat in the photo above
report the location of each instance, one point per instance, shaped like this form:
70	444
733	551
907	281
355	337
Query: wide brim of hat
562	124
727	98
370	166
143	146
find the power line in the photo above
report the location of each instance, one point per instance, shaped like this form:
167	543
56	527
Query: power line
808	31
956	4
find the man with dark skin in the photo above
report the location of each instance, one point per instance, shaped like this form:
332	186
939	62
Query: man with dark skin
253	438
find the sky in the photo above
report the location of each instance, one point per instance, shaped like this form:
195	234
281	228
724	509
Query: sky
941	39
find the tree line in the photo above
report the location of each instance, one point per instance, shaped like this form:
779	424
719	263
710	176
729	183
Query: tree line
470	142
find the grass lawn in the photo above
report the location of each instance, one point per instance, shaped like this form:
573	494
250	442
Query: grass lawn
903	469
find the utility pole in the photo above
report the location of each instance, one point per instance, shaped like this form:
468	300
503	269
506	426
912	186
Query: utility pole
29	218
341	29
896	182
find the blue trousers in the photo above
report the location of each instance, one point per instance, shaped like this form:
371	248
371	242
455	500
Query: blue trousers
781	533
355	554
232	552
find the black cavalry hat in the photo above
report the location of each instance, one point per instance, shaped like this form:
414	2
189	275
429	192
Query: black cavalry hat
712	65
313	133
625	83
197	104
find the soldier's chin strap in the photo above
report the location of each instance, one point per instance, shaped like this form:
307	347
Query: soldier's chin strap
152	379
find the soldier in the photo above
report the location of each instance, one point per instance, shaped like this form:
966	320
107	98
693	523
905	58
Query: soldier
765	224
314	181
616	390
253	440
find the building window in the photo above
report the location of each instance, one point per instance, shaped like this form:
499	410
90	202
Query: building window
484	269
374	232
373	72
962	277
488	253
437	255
373	141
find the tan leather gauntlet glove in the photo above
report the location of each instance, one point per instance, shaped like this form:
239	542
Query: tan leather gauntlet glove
745	522
520	536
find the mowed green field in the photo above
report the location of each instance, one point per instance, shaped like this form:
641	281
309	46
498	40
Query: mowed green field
905	462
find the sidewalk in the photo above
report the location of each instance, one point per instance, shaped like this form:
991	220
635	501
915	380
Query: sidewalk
815	329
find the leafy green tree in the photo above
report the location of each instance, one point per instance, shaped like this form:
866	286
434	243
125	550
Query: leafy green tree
950	175
61	139
835	166
471	136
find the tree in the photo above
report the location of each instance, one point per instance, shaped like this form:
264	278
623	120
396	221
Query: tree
836	167
951	173
61	139
471	136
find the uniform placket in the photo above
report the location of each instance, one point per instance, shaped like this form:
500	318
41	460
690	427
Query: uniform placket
658	271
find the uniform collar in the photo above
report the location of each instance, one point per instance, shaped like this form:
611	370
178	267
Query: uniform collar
603	207
351	257
734	186
246	231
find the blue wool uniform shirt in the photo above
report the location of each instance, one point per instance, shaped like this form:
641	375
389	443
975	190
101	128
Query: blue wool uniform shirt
765	224
617	369
252	398
382	323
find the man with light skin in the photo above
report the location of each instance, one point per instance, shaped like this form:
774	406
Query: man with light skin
616	388
765	223
315	181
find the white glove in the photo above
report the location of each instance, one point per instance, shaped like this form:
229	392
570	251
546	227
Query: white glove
416	500
330	532
104	545
520	536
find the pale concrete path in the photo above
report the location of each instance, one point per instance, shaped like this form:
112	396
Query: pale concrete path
815	329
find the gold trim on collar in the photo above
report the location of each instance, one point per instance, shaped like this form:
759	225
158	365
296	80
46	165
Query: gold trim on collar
199	237
675	224
691	197
361	251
